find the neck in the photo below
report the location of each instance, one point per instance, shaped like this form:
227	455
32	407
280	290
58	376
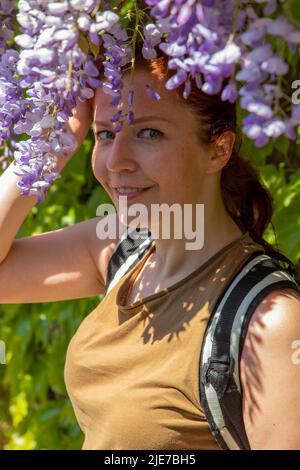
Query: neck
172	257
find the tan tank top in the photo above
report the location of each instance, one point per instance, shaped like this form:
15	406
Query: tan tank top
132	372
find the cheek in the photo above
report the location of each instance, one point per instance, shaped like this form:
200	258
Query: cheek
179	165
98	165
187	165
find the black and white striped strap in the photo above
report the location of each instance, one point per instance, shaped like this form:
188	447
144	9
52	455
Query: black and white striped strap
128	251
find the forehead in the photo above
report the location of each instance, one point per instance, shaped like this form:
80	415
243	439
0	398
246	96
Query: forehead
168	105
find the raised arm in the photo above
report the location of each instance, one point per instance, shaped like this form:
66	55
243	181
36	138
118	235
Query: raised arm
62	264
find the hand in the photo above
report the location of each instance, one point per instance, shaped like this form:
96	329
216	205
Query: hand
81	120
78	125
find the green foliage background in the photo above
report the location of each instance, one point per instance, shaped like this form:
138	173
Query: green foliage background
35	411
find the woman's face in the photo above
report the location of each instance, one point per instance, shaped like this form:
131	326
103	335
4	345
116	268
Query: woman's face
160	150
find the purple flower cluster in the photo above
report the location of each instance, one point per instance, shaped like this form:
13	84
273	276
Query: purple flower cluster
212	40
7	11
55	71
271	111
234	47
199	42
118	53
12	106
7	80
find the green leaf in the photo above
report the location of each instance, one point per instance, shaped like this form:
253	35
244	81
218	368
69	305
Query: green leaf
83	43
282	144
93	47
292	11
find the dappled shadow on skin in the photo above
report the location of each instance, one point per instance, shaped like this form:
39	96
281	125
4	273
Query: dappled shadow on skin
177	320
177	313
170	313
187	310
252	370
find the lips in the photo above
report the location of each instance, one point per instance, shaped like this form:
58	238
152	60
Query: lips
130	195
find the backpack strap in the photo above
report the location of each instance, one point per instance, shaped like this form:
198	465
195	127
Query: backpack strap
128	251
219	374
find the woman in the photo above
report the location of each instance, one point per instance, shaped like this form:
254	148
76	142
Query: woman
132	366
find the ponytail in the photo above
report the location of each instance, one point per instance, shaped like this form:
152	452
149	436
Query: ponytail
247	200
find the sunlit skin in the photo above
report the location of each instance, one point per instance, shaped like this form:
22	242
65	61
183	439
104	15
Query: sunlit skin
164	152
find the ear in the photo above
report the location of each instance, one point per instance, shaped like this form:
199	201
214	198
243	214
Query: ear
221	153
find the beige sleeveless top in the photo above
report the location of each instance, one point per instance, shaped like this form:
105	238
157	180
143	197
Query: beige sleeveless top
132	372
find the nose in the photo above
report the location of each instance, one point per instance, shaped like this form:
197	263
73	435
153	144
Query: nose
120	155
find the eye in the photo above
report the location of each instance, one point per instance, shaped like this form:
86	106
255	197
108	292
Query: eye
104	137
148	133
153	134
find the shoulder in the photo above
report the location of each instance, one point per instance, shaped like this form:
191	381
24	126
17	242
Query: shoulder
278	313
102	236
270	372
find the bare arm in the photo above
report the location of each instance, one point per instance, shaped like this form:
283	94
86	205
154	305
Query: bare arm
270	373
14	207
64	264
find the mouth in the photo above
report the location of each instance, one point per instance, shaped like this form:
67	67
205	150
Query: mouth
130	194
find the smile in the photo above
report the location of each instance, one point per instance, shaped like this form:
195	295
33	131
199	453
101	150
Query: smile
129	193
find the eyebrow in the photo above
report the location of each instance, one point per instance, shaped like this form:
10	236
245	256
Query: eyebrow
137	120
